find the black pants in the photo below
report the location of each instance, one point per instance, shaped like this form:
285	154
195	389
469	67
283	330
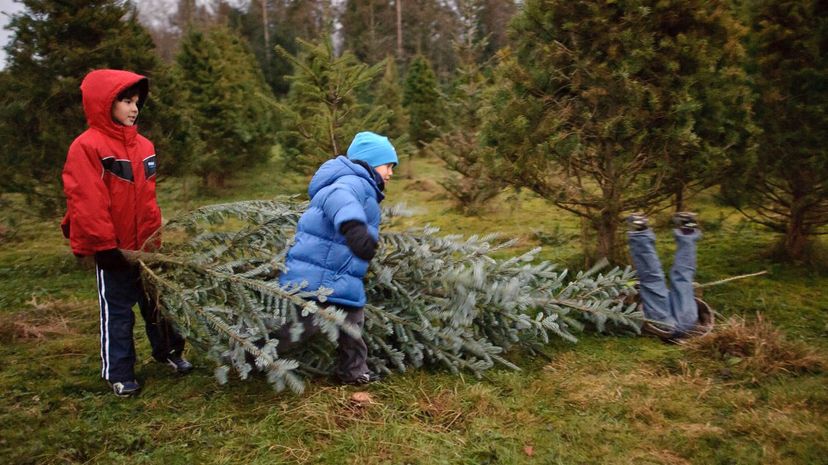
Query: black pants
118	292
351	352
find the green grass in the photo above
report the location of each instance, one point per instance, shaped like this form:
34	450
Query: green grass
611	400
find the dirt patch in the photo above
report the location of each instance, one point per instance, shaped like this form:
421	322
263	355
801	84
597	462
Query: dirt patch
356	408
442	410
43	319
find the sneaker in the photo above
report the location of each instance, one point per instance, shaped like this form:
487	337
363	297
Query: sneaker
366	378
125	388
686	221
179	364
637	222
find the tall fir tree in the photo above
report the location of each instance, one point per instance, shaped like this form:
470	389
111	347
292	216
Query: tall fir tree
369	29
307	20
429	29
323	110
252	26
426	27
421	97
229	103
787	190
610	107
54	45
492	24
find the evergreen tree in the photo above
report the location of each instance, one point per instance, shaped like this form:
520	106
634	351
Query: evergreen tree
54	45
432	300
788	189
422	99
492	21
175	131
608	107
369	29
251	26
229	103
323	110
459	146
390	93
307	20
429	29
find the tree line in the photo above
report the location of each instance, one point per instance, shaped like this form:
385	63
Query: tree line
599	107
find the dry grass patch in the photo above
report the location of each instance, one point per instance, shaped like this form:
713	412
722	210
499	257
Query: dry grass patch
483	399
591	386
442	410
776	426
757	347
44	318
658	456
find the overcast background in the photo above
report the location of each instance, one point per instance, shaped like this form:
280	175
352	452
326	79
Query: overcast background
7	7
151	11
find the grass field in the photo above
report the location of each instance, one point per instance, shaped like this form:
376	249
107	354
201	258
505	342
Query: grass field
607	400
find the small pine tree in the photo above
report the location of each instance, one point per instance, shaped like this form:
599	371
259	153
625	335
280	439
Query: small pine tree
229	103
323	110
54	45
471	185
422	99
389	93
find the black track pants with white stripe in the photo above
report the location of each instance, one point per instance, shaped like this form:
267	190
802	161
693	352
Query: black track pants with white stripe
118	292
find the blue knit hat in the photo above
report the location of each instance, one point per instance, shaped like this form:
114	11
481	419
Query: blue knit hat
373	149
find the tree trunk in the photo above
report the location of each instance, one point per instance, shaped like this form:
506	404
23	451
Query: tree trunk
679	197
607	227
587	241
606	223
399	30
214	180
796	238
266	31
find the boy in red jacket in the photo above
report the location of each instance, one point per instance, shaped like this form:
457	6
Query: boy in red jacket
109	181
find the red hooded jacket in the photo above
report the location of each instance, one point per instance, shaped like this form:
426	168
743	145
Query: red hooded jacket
109	175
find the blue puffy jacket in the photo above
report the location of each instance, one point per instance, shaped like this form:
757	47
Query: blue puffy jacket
340	191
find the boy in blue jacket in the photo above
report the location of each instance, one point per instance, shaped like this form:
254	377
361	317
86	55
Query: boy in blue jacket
336	238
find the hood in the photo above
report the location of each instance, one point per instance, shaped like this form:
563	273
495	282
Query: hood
99	89
332	170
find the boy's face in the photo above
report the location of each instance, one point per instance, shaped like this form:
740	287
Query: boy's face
125	110
385	171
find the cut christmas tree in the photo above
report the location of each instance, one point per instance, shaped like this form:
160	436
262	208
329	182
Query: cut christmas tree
432	299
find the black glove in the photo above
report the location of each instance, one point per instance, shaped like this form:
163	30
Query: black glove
359	240
111	260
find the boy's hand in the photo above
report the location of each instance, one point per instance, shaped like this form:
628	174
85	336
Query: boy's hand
111	260
359	240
